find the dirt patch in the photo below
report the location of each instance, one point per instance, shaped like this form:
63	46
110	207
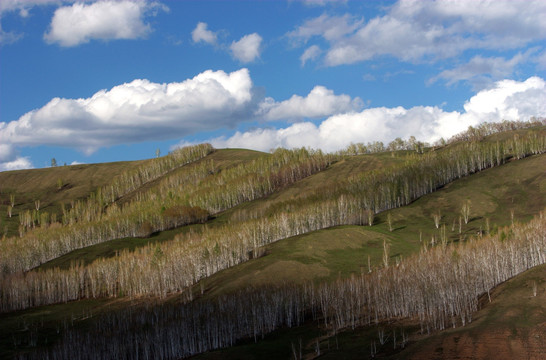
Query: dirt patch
493	344
512	326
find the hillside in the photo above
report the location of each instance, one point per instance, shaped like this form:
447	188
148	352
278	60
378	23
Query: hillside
209	225
511	326
54	186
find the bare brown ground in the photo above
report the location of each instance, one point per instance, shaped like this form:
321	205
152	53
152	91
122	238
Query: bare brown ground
512	326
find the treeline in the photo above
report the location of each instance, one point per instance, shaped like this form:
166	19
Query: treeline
476	133
485	129
170	267
199	187
421	174
377	146
439	287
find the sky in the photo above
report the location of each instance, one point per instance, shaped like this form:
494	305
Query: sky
102	81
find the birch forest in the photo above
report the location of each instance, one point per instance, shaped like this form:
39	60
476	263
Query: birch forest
437	287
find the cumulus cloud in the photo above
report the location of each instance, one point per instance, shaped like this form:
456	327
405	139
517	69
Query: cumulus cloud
142	110
320	102
311	53
137	111
102	20
417	31
9	160
247	49
201	33
506	100
16	164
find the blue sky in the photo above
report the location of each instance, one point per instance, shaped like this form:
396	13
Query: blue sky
98	81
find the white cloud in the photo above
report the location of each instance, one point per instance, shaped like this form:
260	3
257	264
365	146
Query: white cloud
9	160
8	37
323	2
138	111
247	49
311	53
23	6
145	111
418	31
507	100
17	164
481	71
6	150
201	33
102	20
541	60
320	102
331	28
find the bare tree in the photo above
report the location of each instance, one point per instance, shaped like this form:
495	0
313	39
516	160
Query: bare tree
370	217
389	222
465	211
386	248
437	217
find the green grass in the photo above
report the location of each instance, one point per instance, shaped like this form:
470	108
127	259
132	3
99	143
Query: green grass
340	251
518	187
223	159
109	249
78	181
320	181
326	254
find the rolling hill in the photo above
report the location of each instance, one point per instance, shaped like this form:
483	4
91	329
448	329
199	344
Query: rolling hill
272	225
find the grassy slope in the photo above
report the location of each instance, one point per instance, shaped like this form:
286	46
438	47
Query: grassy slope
519	186
223	159
325	179
512	326
78	181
